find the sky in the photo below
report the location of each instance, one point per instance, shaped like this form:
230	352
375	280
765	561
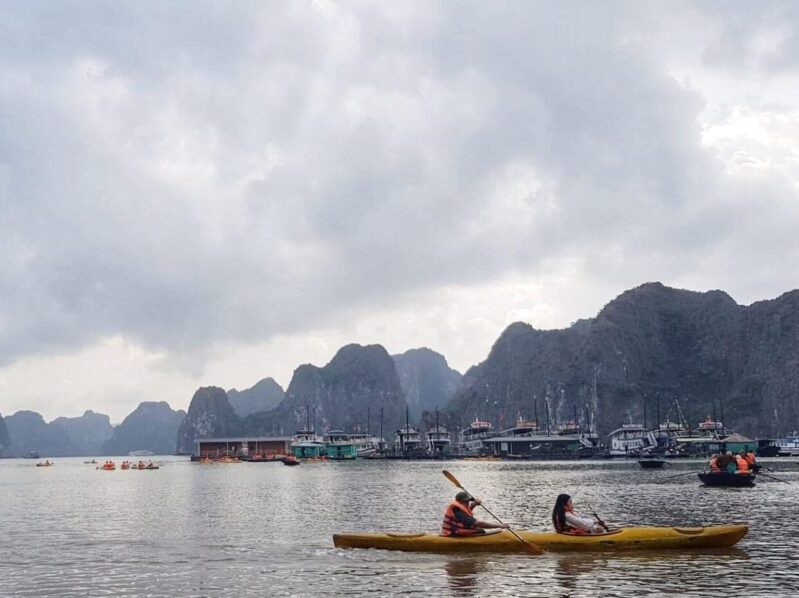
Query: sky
210	193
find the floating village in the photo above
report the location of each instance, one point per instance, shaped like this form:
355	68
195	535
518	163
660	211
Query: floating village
527	439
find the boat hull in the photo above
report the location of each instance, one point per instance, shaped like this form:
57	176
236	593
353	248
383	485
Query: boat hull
631	538
729	480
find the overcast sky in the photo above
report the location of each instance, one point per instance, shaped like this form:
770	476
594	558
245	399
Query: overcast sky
200	194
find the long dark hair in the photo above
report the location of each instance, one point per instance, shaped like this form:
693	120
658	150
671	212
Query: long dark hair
559	512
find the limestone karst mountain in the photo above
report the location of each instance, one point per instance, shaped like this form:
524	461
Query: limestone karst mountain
650	345
210	415
265	395
426	379
152	426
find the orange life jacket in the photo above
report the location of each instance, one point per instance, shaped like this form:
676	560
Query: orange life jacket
750	458
714	464
743	466
451	526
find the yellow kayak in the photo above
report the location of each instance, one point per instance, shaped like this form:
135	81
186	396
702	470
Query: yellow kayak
629	538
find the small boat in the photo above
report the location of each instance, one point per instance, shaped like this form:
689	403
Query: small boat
729	480
651	463
290	460
45	464
125	465
629	538
90	462
108	466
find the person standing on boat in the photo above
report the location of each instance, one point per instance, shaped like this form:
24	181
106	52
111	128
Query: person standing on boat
567	521
460	521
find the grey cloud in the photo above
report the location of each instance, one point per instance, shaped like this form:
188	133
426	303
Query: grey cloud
241	170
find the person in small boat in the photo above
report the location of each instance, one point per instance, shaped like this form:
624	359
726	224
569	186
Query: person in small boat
743	466
750	458
714	464
567	521
727	462
460	521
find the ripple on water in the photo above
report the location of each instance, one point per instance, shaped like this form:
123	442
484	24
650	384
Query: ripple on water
188	530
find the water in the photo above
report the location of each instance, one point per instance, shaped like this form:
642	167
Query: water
193	530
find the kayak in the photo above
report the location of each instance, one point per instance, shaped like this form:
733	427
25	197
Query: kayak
629	538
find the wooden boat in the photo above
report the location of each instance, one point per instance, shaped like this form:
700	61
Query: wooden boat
630	538
730	480
651	463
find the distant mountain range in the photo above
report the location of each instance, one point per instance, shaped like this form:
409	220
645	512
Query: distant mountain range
646	348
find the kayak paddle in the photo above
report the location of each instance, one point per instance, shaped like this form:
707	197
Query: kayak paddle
533	548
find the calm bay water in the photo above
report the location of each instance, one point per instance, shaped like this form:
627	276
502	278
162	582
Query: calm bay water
192	530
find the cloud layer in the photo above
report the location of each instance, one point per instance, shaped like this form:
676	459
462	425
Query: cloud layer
273	179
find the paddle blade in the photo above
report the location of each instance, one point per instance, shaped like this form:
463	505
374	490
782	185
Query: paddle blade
452	478
531	548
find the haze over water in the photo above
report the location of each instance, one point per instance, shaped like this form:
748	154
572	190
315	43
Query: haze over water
192	530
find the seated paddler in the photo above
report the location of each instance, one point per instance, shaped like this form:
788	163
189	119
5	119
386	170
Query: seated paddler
460	521
567	521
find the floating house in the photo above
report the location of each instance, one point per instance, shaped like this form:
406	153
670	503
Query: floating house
251	449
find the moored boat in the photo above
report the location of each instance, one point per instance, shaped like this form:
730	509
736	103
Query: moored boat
630	538
730	480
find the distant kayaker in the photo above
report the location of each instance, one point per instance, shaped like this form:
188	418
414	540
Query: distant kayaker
566	521
459	520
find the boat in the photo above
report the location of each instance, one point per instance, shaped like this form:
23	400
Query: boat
729	480
306	444
788	446
366	445
93	461
108	466
473	436
437	440
629	440
125	465
339	446
651	463
629	538
290	460
409	440
45	464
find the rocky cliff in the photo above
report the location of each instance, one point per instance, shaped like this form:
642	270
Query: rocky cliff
426	379
29	433
87	433
265	395
210	415
648	346
348	393
5	440
152	426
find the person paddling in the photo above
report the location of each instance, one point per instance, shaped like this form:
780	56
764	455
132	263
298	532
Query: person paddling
566	521
460	521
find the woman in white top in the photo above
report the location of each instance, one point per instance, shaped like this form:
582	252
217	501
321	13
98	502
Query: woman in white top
566	521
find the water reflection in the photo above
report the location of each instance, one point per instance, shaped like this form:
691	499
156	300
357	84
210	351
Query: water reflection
251	530
462	575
